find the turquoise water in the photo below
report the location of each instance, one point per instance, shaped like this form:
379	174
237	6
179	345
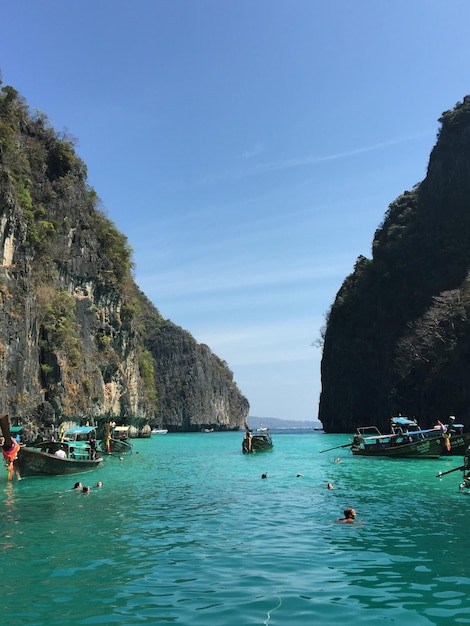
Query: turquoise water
186	532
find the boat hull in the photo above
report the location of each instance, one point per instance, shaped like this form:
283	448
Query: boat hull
258	443
32	462
424	449
458	445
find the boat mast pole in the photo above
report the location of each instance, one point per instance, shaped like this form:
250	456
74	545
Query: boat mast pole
5	426
346	445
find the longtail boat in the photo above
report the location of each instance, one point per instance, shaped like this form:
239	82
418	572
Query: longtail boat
46	459
74	453
116	440
408	440
258	440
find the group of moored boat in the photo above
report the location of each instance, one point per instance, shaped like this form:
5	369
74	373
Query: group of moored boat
74	451
407	440
78	450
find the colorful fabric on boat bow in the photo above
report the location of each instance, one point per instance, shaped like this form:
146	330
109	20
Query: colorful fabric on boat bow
10	455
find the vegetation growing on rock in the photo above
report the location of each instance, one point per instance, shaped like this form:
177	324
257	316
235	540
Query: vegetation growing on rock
397	337
76	334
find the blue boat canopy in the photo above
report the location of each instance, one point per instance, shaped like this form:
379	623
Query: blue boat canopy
80	430
404	421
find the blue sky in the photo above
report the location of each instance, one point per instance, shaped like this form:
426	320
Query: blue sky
247	148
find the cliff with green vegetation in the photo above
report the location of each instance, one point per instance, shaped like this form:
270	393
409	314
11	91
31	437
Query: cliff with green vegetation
78	339
397	337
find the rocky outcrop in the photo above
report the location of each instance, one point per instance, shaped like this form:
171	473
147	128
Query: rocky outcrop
73	324
196	389
397	338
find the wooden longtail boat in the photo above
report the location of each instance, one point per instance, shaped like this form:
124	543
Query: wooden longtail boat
257	441
408	440
369	441
43	459
116	440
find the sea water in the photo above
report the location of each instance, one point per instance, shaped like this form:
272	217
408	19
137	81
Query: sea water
184	531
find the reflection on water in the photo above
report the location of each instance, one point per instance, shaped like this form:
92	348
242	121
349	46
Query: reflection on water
187	532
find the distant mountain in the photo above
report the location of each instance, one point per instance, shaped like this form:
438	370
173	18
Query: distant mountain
274	422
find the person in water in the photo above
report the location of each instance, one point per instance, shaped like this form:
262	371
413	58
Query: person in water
77	486
349	516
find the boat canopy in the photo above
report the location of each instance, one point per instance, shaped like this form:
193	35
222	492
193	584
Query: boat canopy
121	429
80	430
404	421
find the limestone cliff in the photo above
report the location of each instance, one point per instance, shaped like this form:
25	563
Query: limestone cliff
73	325
397	337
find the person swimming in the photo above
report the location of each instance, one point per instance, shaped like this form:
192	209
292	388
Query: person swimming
349	516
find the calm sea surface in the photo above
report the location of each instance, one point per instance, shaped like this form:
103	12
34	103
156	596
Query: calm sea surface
185	531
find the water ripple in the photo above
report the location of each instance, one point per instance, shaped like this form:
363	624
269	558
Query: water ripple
185	532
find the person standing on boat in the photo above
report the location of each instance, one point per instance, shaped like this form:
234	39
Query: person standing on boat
247	441
92	449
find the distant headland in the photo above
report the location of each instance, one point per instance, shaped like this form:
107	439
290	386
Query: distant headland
274	422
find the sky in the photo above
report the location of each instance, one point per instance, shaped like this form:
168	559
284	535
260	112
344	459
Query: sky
248	149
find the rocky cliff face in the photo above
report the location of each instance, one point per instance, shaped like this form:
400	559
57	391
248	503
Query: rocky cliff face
195	387
398	334
73	325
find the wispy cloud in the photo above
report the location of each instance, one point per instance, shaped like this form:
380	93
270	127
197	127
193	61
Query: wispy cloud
312	160
275	342
298	162
191	280
254	151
